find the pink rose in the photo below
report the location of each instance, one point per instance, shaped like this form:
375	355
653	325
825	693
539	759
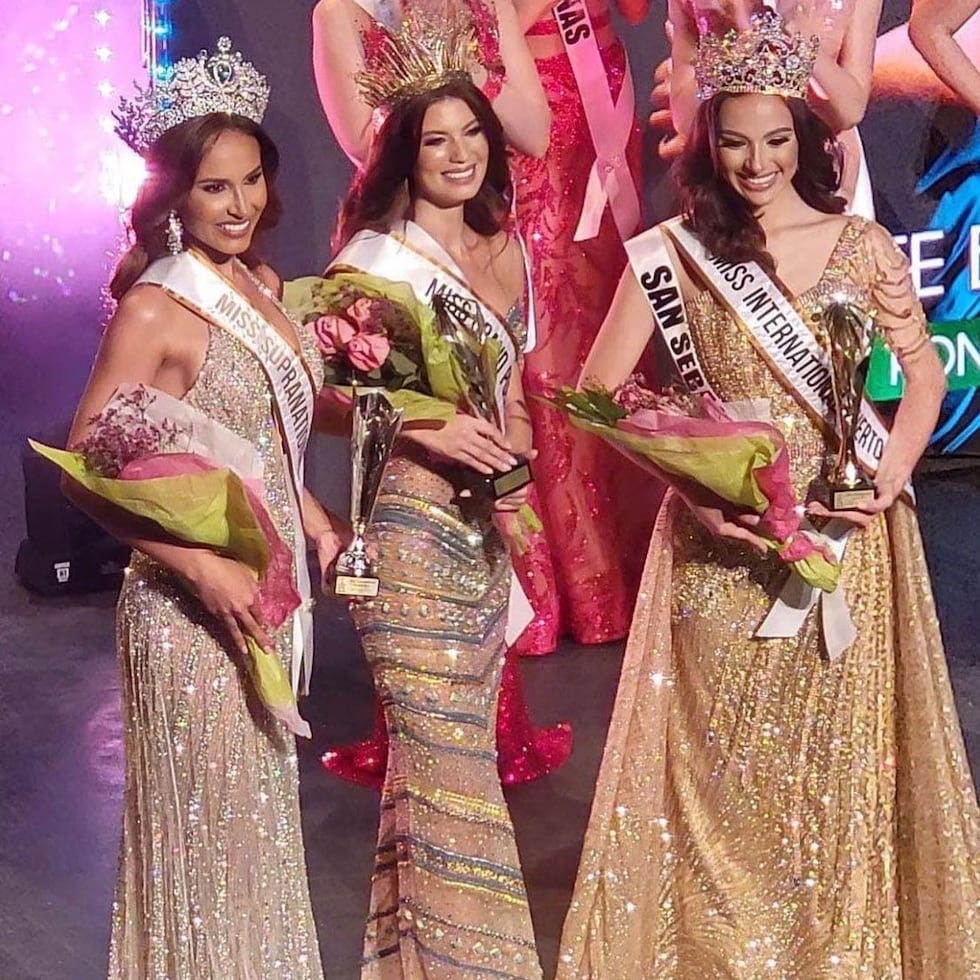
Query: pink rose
361	312
333	334
368	351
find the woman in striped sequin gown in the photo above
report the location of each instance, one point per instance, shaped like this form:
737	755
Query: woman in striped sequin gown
448	898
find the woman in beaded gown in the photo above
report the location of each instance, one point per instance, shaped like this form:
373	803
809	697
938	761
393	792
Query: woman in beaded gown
574	207
344	32
794	807
212	879
447	897
841	83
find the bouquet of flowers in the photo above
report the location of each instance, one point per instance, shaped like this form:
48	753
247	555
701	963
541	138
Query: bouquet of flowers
692	439
374	333
159	459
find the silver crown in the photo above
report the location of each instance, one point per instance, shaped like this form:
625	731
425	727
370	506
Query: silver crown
222	82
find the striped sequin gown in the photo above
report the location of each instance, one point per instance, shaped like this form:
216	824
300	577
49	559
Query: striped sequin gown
447	896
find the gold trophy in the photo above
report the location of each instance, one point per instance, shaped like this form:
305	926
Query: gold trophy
376	424
846	332
478	359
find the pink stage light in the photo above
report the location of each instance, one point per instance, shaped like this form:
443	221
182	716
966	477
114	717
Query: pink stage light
63	174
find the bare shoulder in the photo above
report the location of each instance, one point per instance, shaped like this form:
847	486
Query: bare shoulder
146	313
149	323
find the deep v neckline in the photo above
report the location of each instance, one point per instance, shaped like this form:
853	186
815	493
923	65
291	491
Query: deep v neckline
797	299
453	268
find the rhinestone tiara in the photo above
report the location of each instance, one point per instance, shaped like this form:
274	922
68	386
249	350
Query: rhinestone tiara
221	82
764	59
424	53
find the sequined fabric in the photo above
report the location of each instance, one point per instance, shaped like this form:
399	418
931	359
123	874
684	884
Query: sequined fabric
212	882
581	574
447	896
524	753
761	812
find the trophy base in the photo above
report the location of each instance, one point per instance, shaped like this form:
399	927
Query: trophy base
849	498
356	586
500	484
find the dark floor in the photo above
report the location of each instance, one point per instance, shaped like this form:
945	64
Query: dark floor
60	758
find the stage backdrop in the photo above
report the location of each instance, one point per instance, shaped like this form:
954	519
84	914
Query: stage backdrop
922	157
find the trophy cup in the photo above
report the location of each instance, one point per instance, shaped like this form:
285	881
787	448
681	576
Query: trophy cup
848	486
479	363
376	423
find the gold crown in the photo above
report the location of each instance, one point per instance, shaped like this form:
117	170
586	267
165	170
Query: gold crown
425	53
764	59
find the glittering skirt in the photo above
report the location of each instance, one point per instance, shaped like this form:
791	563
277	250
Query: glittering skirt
581	574
761	812
447	896
212	880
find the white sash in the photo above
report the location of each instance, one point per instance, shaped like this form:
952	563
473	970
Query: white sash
610	125
409	254
653	267
785	342
192	282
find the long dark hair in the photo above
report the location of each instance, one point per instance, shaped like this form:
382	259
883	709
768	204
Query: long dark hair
372	198
720	217
172	163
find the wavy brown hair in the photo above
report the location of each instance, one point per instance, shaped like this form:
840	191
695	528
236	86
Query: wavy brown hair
720	217
172	164
372	198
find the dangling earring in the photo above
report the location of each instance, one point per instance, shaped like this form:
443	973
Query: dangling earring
175	234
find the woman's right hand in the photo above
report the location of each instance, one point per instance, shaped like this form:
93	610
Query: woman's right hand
471	441
724	522
229	591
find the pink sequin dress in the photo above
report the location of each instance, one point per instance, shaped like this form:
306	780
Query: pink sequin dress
581	573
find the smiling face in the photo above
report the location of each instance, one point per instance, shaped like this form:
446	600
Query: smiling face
228	197
757	147
453	154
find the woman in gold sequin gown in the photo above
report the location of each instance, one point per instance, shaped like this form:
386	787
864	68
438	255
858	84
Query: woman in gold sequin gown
760	810
212	879
841	84
447	897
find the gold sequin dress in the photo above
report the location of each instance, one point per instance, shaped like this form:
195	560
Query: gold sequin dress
761	812
212	882
447	896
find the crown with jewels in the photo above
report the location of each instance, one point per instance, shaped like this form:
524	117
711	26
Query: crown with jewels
425	53
764	59
221	82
